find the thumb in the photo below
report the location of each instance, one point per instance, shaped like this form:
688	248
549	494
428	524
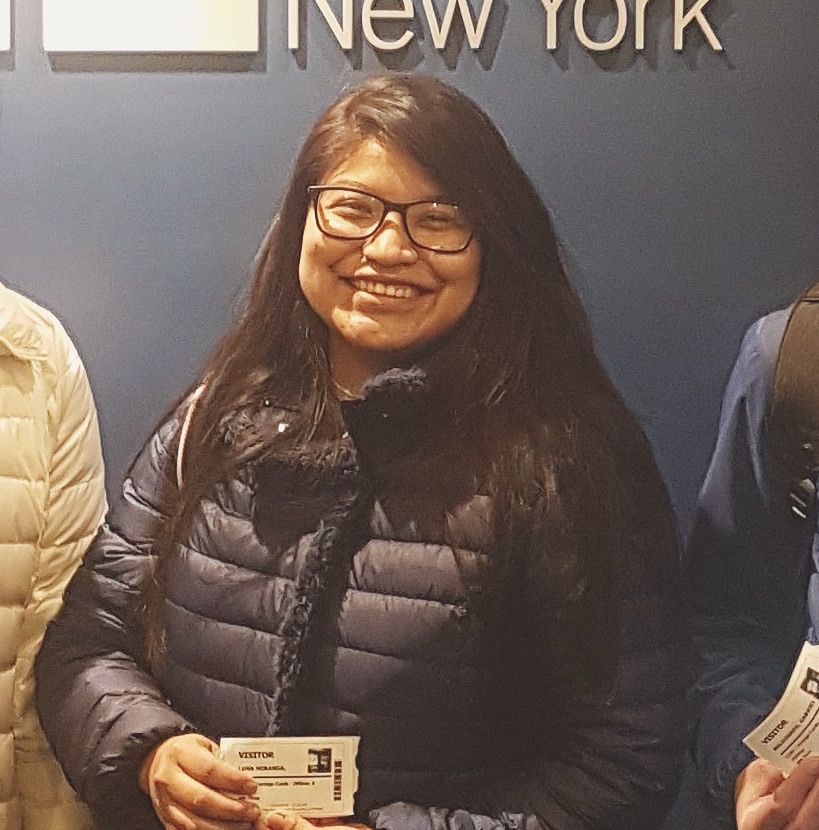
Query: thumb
758	779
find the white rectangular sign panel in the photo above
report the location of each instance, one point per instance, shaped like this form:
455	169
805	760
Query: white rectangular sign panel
148	26
5	25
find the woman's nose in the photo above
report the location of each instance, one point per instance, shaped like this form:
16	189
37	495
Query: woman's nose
390	243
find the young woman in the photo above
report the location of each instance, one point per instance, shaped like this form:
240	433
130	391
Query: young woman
405	503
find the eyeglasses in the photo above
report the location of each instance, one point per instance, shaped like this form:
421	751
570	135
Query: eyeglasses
347	213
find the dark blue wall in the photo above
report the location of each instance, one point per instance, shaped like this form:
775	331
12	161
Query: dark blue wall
134	192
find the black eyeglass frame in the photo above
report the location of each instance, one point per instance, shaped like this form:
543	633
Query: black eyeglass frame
400	208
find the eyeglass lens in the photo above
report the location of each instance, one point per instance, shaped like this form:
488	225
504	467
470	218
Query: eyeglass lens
350	214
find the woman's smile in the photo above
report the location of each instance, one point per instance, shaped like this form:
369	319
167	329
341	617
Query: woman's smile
383	289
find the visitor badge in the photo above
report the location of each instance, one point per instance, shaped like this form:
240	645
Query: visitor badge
791	732
314	777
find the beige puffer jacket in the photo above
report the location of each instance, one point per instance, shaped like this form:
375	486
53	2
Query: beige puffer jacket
52	501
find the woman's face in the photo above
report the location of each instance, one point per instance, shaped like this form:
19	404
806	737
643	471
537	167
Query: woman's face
383	296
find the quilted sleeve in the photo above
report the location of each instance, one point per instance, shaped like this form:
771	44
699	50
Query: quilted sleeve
101	710
74	509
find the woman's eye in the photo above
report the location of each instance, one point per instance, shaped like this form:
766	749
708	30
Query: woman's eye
353	208
440	216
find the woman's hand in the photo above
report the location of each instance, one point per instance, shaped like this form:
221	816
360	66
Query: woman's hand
192	789
766	800
291	821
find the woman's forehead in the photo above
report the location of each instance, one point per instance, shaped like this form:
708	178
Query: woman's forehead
381	166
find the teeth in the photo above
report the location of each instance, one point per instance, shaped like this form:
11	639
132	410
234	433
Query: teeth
402	292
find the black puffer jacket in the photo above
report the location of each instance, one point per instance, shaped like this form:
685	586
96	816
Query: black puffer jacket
303	604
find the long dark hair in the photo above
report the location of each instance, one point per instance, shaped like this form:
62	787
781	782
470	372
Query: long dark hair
521	368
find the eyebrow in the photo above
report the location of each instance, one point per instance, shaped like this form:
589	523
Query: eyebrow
356	185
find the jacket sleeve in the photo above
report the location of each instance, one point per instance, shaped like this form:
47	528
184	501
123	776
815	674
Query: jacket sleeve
101	710
746	580
73	511
599	760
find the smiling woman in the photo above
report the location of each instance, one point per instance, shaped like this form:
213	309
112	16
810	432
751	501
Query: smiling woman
405	503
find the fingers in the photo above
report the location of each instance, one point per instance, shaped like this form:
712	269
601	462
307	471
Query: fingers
174	793
760	778
755	788
287	821
180	819
798	795
201	763
192	789
765	800
292	821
